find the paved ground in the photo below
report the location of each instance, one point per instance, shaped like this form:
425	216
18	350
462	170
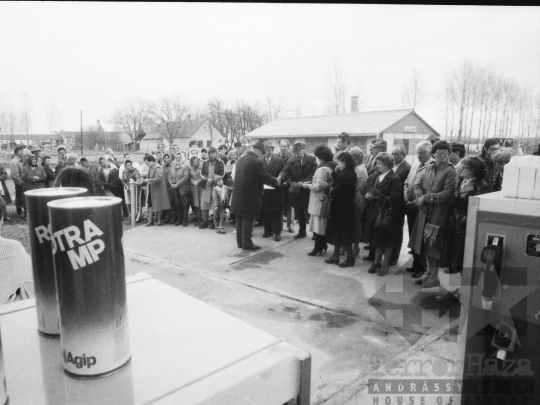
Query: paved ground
354	325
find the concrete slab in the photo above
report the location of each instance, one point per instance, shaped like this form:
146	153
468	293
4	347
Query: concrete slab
336	314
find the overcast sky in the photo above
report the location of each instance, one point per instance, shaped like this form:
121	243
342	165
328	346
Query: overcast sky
91	56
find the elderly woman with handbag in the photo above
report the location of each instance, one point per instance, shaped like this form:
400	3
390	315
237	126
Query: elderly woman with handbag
318	201
340	226
434	190
380	225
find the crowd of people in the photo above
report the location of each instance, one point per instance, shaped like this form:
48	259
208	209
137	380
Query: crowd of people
346	198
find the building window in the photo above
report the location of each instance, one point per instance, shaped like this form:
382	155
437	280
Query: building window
208	144
200	144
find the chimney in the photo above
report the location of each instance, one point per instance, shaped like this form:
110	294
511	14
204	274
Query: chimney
354	104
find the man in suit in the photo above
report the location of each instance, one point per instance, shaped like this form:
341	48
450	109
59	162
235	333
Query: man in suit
379	145
343	145
272	205
285	155
299	169
246	203
401	169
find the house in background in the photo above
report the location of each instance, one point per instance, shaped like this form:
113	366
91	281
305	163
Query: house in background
200	130
403	127
44	141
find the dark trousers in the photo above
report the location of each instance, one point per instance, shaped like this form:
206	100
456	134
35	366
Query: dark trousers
399	238
300	214
272	221
418	264
19	198
244	231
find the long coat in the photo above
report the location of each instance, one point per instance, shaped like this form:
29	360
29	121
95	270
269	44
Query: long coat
340	227
249	178
285	185
297	170
28	177
318	199
437	186
158	189
391	195
3	185
458	221
272	199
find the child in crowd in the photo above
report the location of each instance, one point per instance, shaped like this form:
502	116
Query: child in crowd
221	199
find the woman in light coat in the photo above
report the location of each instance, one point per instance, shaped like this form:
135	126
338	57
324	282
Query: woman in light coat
434	190
318	200
158	196
360	200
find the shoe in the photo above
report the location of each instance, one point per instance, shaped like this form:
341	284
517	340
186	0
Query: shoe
332	260
267	235
222	231
300	235
203	225
277	238
149	224
382	271
410	269
258	224
348	262
252	247
356	252
418	274
393	262
316	252
211	225
184	224
367	259
430	283
290	229
373	269
419	281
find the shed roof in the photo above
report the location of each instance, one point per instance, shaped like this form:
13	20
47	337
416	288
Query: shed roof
362	123
190	128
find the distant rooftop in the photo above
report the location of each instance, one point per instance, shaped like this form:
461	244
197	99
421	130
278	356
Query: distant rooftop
361	123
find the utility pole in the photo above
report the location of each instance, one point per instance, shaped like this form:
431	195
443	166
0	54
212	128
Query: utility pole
81	138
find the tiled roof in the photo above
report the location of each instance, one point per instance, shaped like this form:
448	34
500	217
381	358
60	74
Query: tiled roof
362	123
190	129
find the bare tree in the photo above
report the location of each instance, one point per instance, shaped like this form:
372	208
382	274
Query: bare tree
53	115
414	90
133	117
274	108
336	89
25	111
170	115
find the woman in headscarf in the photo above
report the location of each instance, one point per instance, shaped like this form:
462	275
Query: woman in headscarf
359	201
211	167
340	227
158	197
33	175
318	201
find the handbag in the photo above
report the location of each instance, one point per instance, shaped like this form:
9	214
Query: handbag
431	231
329	203
323	211
383	221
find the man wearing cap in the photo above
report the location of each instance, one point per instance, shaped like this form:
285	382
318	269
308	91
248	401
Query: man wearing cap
71	160
272	204
246	203
16	170
343	142
285	155
299	169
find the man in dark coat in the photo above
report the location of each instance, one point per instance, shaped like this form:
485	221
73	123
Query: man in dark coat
491	145
272	205
299	169
285	155
401	169
248	192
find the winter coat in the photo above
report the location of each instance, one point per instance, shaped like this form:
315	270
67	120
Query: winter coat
28	177
249	179
437	186
4	192
220	197
196	182
16	170
340	227
455	247
157	188
285	185
360	200
51	176
391	195
299	171
179	176
321	180
272	199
